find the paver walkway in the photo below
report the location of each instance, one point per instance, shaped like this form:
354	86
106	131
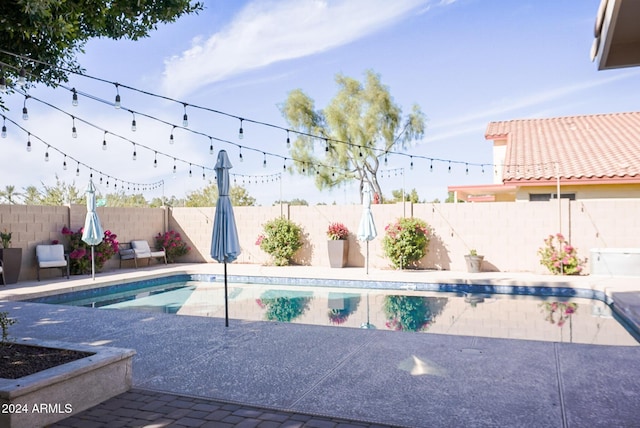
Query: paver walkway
145	408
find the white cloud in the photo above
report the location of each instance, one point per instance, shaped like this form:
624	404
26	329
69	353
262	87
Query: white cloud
265	32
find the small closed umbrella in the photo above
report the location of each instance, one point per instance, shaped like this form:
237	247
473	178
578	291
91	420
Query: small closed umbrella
92	232
366	228
225	247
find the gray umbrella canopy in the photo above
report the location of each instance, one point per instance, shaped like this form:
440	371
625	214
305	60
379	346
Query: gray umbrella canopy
367	227
92	232
225	247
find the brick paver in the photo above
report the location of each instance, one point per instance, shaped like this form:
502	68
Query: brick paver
143	408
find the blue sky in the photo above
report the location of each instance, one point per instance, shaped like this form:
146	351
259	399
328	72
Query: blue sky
465	62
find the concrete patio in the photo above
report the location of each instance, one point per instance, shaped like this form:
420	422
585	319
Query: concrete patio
192	371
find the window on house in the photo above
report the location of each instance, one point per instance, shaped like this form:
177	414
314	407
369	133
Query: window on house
536	197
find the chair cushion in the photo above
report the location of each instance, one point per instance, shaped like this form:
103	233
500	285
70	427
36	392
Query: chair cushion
54	263
141	248
157	254
51	253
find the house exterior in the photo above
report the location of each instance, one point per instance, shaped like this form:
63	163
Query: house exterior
616	34
580	157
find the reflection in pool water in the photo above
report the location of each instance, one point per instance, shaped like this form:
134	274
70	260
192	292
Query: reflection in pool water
553	319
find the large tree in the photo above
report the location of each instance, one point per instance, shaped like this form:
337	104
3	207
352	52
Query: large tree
358	127
55	31
208	196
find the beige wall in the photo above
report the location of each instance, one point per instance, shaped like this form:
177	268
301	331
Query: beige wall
609	191
507	234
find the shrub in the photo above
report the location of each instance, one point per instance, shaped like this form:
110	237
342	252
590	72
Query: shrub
559	256
405	242
80	251
281	238
337	232
173	245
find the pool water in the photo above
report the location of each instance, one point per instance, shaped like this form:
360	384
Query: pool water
556	319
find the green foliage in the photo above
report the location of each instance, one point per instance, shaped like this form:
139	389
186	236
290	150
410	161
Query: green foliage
5	322
240	197
123	200
281	238
9	195
5	237
406	313
294	201
405	242
80	251
412	196
208	196
173	245
363	114
284	308
61	194
54	32
559	256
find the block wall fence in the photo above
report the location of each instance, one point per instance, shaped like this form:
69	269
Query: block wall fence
508	234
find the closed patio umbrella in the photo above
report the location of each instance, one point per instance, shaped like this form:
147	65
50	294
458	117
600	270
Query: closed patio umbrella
225	247
366	228
92	232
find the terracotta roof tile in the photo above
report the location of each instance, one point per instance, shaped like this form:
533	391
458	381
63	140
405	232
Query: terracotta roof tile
585	147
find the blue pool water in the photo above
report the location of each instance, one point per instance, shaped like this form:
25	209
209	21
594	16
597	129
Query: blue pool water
536	313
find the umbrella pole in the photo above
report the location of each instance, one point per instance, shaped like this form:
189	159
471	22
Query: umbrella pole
93	265
367	261
226	301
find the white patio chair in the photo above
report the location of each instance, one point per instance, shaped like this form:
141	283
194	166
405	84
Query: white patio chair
141	250
52	256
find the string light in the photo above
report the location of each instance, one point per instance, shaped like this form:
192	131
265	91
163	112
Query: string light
288	140
210	145
64	163
185	118
117	103
74	131
431	166
411	165
4	127
240	148
385	159
134	126
155	160
241	132
466	168
28	142
203	175
104	141
74	98
78	170
46	155
135	155
22	76
449	166
264	161
171	136
174	167
190	174
25	112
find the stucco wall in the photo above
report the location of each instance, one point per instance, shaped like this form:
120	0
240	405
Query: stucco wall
508	234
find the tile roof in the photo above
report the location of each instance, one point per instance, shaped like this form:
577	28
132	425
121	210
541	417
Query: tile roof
602	146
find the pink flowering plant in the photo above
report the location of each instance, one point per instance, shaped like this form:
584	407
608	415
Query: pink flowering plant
559	312
281	239
337	232
559	256
80	251
173	245
406	241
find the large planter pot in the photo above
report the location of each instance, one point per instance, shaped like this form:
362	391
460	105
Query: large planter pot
54	394
11	264
474	263
338	252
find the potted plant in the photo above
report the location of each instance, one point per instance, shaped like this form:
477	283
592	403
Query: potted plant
338	245
11	258
474	261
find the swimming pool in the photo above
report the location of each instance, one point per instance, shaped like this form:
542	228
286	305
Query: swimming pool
572	315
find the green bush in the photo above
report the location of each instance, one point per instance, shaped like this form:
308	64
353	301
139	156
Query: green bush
405	242
281	238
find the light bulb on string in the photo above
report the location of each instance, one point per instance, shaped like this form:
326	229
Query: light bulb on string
4	127
185	118
466	168
264	161
104	141
100	180
431	166
411	164
74	131
240	153
107	182
46	155
135	155
134	126
74	97
190	173
25	112
155	160
22	76
28	142
171	136
385	159
203	174
241	132
326	147
64	163
449	166
78	170
288	140
210	145
117	102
